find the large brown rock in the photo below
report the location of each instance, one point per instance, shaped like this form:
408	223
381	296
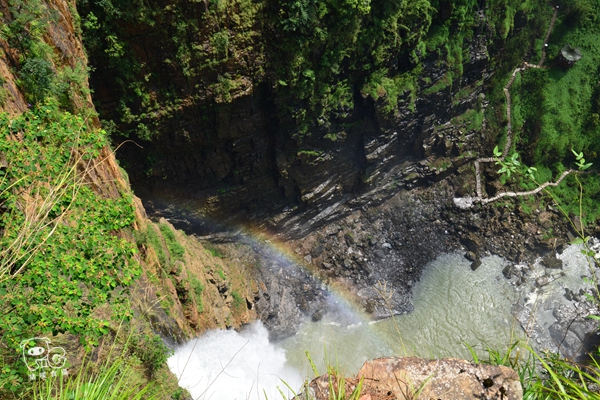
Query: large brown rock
405	378
445	379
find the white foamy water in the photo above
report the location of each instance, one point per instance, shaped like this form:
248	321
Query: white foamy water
229	365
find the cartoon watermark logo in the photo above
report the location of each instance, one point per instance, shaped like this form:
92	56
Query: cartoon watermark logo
40	358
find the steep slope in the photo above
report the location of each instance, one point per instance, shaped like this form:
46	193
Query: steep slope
81	264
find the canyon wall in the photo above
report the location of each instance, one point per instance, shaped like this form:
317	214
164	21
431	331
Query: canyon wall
274	126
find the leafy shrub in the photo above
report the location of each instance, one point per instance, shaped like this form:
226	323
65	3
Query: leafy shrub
61	259
175	249
151	351
37	78
198	289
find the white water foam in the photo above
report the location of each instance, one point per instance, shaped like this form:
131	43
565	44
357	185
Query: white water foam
229	365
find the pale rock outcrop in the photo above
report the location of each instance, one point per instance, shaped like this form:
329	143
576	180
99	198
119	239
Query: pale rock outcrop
404	378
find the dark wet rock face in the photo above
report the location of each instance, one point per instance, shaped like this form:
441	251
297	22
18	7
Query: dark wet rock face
284	292
379	254
237	163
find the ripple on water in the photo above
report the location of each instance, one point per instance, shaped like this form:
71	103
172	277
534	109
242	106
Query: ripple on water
453	306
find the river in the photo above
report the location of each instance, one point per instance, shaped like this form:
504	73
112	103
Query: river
455	310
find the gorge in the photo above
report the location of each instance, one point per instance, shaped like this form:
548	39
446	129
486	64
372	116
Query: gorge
308	154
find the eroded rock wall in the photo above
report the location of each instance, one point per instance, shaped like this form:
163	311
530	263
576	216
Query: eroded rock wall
256	152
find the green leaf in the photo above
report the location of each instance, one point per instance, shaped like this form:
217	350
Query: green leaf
574	152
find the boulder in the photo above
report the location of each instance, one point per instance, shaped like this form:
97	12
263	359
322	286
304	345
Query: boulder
552	262
404	378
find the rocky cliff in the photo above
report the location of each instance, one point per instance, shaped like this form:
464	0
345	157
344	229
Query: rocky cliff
208	149
274	117
340	131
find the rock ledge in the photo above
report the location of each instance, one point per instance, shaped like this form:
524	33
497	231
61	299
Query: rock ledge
411	377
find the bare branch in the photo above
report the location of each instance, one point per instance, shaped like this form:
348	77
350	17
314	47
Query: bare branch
529	192
467	202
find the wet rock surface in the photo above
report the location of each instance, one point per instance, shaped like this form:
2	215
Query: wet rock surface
411	377
378	254
554	306
375	256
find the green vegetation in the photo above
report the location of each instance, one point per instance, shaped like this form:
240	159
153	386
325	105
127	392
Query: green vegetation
553	113
62	259
66	261
42	73
198	289
159	242
151	238
317	57
176	250
213	251
555	107
150	350
132	367
546	376
115	381
239	303
564	380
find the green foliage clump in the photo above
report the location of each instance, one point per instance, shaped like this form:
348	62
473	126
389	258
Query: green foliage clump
114	380
151	238
213	251
150	350
62	259
42	73
176	250
198	289
238	300
568	194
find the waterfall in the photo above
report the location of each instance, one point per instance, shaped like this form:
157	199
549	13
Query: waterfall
228	365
